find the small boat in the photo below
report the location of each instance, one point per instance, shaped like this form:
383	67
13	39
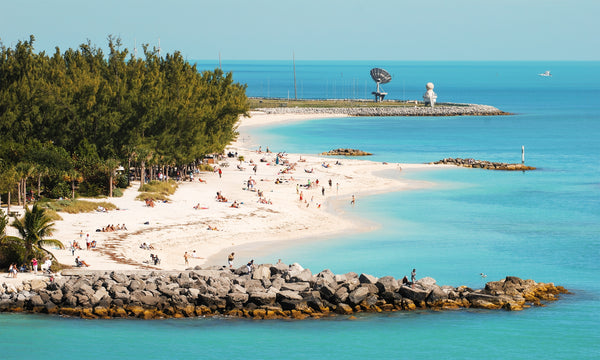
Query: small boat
546	73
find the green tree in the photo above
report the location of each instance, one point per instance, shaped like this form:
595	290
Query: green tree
34	228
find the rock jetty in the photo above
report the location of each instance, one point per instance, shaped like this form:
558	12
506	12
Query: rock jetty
347	152
269	292
438	110
482	164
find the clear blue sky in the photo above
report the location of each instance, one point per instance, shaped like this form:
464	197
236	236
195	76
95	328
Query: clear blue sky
318	30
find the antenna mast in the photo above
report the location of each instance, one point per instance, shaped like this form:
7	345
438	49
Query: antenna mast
294	62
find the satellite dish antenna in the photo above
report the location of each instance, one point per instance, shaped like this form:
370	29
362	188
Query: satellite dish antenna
380	76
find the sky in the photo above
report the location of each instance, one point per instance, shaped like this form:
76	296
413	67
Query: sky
399	30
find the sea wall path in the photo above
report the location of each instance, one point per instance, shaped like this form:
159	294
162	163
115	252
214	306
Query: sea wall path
268	292
438	110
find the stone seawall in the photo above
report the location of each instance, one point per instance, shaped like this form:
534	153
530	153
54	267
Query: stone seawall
439	110
482	164
271	291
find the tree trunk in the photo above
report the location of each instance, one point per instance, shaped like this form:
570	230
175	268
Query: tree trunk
8	209
110	185
39	185
19	193
142	174
25	193
72	189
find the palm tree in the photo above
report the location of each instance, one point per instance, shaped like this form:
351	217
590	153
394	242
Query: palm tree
33	228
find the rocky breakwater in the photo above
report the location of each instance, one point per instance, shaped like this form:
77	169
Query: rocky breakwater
438	110
482	164
271	291
347	152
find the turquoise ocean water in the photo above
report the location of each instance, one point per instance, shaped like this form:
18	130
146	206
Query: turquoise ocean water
543	225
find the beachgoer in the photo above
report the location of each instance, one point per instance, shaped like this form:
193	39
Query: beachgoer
34	265
405	280
220	172
323	190
353	200
186	258
87	241
230	260
330	182
413	277
80	262
255	168
250	266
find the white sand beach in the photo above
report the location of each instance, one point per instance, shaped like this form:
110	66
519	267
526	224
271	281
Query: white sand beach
176	227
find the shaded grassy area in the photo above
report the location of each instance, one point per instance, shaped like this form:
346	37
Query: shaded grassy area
76	206
157	190
329	103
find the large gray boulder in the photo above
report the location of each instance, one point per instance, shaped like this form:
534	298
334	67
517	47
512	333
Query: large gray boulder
436	297
262	272
279	269
340	296
367	279
262	298
288	295
416	295
301	276
237	299
358	295
426	283
298	286
387	284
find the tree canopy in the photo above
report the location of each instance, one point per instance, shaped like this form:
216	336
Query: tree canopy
84	110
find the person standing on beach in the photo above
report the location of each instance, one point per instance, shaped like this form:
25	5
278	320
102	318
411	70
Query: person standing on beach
353	200
186	257
87	242
230	260
34	265
323	190
220	172
255	168
413	277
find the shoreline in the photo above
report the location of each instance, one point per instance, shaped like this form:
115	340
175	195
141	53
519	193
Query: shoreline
175	227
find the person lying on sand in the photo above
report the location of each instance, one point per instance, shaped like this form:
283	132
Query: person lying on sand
221	198
212	228
235	204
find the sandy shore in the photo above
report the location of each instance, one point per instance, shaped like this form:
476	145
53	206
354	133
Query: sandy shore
176	227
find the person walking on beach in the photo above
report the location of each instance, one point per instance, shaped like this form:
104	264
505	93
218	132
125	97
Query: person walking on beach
255	168
353	200
413	278
186	257
230	260
323	190
220	172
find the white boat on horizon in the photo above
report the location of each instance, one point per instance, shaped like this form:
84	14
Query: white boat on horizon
546	73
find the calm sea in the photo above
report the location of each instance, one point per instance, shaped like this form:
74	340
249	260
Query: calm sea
543	225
